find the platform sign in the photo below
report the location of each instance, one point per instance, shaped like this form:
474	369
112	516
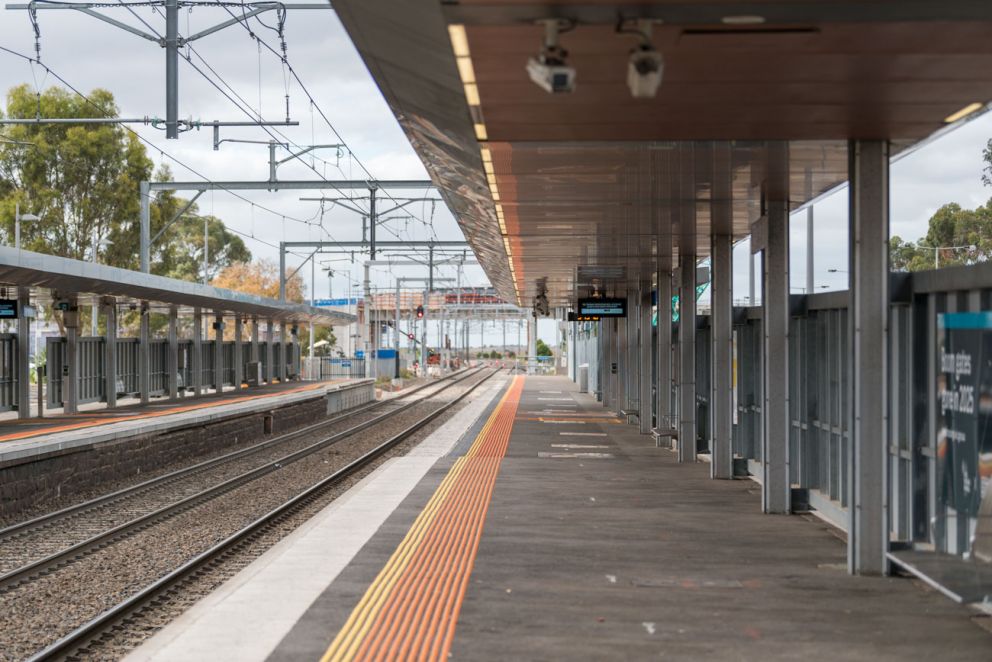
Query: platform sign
8	309
613	307
964	416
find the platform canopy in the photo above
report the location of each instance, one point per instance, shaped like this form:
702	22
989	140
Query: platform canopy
561	193
52	277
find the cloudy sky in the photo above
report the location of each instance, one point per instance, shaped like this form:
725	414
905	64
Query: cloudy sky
90	54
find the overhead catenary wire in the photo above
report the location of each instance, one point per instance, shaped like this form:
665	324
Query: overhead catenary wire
150	144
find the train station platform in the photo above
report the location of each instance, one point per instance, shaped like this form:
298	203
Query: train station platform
62	456
535	525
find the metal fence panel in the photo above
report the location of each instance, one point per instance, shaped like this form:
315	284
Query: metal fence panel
8	371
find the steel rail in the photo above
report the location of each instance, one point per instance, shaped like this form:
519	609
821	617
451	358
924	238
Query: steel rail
101	540
43	521
90	630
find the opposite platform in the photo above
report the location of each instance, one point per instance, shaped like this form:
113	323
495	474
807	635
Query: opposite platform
40	437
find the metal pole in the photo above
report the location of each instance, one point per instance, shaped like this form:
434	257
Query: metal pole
144	355
219	352
313	302
373	220
70	379
423	332
206	251
110	353
810	286
396	328
239	352
868	526
197	352
171	69
17	226
173	352
145	230
776	488
282	271
95	306
366	323
24	355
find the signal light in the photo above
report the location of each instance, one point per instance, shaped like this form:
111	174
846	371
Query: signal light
410	336
420	312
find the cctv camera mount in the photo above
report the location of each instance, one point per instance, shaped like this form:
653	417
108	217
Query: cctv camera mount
550	70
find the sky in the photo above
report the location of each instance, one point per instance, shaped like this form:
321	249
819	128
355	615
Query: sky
91	54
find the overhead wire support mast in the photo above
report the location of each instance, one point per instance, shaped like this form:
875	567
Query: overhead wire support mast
171	41
147	187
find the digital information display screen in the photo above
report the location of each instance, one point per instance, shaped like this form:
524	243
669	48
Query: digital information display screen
8	309
603	307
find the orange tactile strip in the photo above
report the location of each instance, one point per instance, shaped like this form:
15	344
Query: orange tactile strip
411	609
90	421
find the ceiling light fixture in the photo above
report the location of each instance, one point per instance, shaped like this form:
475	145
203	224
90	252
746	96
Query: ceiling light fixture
964	112
743	20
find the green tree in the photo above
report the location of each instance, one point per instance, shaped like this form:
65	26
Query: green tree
80	179
83	180
542	348
970	230
987	170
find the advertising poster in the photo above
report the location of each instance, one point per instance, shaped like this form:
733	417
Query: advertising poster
964	411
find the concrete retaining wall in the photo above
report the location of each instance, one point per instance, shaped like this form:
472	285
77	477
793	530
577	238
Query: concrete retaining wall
32	482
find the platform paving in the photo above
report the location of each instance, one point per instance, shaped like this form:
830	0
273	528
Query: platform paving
598	545
248	616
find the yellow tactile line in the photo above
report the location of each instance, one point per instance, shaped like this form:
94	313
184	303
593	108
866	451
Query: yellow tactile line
348	640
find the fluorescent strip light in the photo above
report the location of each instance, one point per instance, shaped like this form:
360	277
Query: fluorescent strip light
488	167
465	69
480	132
964	112
472	94
743	20
459	40
486	154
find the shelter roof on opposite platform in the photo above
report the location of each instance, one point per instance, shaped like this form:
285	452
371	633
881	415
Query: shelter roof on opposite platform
66	276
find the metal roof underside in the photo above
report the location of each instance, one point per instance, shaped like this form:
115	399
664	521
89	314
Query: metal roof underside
594	183
75	277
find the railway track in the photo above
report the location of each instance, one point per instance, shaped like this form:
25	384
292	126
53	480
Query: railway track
256	486
32	546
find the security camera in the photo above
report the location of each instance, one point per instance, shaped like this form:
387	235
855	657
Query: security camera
551	75
644	71
550	70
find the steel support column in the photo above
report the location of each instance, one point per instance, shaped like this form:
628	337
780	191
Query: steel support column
197	362
23	354
721	315
721	329
606	353
70	379
255	354
644	345
239	363
283	354
775	300
144	355
620	381
633	355
110	352
173	356
663	385
270	337
868	328
219	352
687	358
